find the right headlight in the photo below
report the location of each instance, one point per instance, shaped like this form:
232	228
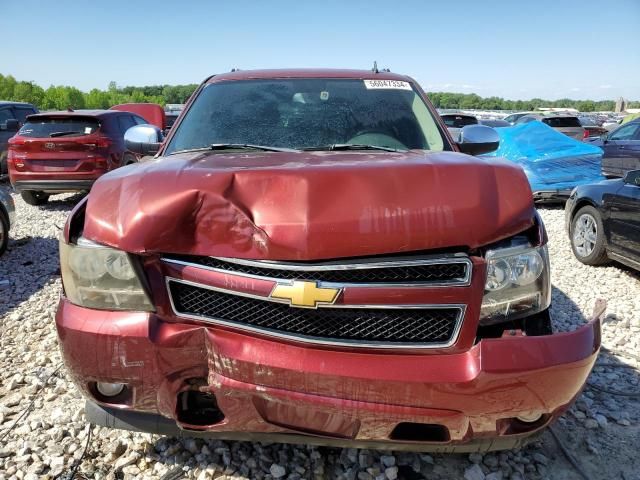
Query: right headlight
518	284
96	276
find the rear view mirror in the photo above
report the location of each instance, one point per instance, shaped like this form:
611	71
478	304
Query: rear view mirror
478	139
632	178
143	139
12	125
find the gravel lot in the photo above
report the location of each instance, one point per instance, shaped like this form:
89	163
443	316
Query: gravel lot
601	431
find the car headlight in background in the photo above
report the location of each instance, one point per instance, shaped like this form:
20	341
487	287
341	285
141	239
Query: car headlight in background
100	277
518	284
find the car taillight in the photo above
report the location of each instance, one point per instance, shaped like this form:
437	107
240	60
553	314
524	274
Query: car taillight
97	142
16	142
585	134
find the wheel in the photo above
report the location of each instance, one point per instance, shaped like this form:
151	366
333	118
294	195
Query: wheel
587	237
3	164
34	197
4	232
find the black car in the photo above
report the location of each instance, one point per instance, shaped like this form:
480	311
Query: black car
12	116
603	221
621	149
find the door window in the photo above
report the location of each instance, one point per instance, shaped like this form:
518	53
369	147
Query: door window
22	113
125	122
5	114
628	132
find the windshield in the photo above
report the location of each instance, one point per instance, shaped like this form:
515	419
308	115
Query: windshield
459	121
46	127
308	113
562	122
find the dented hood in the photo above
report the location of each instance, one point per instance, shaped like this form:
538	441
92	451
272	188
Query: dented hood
308	205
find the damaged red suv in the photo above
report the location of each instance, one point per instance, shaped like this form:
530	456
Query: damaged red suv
312	258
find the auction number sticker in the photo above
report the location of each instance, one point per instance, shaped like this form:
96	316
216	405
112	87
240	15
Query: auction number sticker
389	84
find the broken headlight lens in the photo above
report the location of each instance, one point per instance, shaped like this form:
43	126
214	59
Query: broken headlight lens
100	277
518	284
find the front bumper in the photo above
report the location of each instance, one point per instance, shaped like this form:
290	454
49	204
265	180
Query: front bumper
270	390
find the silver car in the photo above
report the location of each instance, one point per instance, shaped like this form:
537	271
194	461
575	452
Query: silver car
7	217
567	124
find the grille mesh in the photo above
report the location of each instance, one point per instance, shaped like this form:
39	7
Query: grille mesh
389	326
454	272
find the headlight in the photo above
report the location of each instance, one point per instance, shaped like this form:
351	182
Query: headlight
100	277
518	284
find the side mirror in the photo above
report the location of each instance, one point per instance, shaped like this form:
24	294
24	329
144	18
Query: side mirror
12	125
478	139
143	139
632	177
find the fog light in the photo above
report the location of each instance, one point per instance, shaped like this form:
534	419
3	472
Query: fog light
531	417
109	389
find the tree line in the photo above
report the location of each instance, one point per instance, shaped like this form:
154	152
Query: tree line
61	97
472	101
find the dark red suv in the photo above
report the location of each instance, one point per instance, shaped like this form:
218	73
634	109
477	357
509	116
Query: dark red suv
313	259
67	151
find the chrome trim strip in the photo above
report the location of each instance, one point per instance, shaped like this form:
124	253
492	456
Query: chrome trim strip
320	341
465	282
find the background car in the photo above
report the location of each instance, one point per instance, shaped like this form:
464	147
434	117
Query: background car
7	217
514	117
9	113
603	221
67	151
153	113
591	127
567	124
621	149
612	123
494	123
455	121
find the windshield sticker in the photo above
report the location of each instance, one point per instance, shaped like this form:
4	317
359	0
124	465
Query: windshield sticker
324	95
389	84
87	130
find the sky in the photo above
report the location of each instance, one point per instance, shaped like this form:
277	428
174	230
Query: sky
581	49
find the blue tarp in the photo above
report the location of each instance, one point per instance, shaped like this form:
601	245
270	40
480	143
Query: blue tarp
551	160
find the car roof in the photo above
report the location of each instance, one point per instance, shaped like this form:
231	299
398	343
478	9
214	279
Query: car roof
78	113
23	104
307	73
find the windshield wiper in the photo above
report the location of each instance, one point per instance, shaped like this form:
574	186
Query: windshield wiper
236	146
63	134
351	146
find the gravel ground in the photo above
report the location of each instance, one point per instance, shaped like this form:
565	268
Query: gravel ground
601	431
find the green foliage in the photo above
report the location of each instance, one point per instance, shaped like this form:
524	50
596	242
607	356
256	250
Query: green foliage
63	97
473	101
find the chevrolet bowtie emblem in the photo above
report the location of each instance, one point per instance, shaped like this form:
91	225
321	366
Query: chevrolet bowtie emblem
305	294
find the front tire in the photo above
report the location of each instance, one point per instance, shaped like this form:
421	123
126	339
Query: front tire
587	237
4	232
34	197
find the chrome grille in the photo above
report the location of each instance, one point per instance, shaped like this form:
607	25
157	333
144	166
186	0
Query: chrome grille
441	271
386	326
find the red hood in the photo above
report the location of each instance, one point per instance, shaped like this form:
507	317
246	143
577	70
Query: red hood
308	206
